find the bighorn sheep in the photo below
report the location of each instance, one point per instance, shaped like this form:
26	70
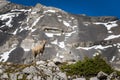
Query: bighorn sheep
38	49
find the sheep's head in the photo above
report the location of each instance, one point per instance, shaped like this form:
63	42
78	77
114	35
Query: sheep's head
43	42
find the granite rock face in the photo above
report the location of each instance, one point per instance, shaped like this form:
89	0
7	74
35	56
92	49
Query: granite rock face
69	37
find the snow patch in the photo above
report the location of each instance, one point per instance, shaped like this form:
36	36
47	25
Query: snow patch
72	18
110	32
15	32
61	44
23	10
108	25
52	11
59	16
26	50
113	58
60	20
28	19
96	54
59	56
36	21
54	42
8	16
86	24
69	21
2	26
5	55
21	29
33	12
14	45
57	60
26	28
95	47
32	30
119	50
66	23
49	14
52	34
112	37
69	34
118	45
74	26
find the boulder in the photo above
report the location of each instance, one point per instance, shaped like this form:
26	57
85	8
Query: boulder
101	75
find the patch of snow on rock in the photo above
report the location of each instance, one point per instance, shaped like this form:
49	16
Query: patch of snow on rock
59	16
57	55
69	34
8	16
15	32
112	37
118	45
94	47
14	45
26	50
36	21
32	30
86	23
72	18
33	12
52	11
96	54
62	44
66	23
61	56
54	42
60	20
108	25
57	60
23	10
102	47
49	14
119	50
113	58
74	27
110	32
40	62
5	55
2	26
52	34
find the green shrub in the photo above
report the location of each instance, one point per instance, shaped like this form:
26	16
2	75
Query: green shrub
87	67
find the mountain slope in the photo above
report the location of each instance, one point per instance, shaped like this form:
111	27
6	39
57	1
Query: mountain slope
69	37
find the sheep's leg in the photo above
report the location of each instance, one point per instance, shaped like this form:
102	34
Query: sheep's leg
35	55
41	53
33	59
39	57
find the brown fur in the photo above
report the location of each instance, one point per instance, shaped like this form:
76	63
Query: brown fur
38	49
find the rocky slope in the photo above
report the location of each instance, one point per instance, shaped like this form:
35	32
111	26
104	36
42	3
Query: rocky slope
40	70
69	37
